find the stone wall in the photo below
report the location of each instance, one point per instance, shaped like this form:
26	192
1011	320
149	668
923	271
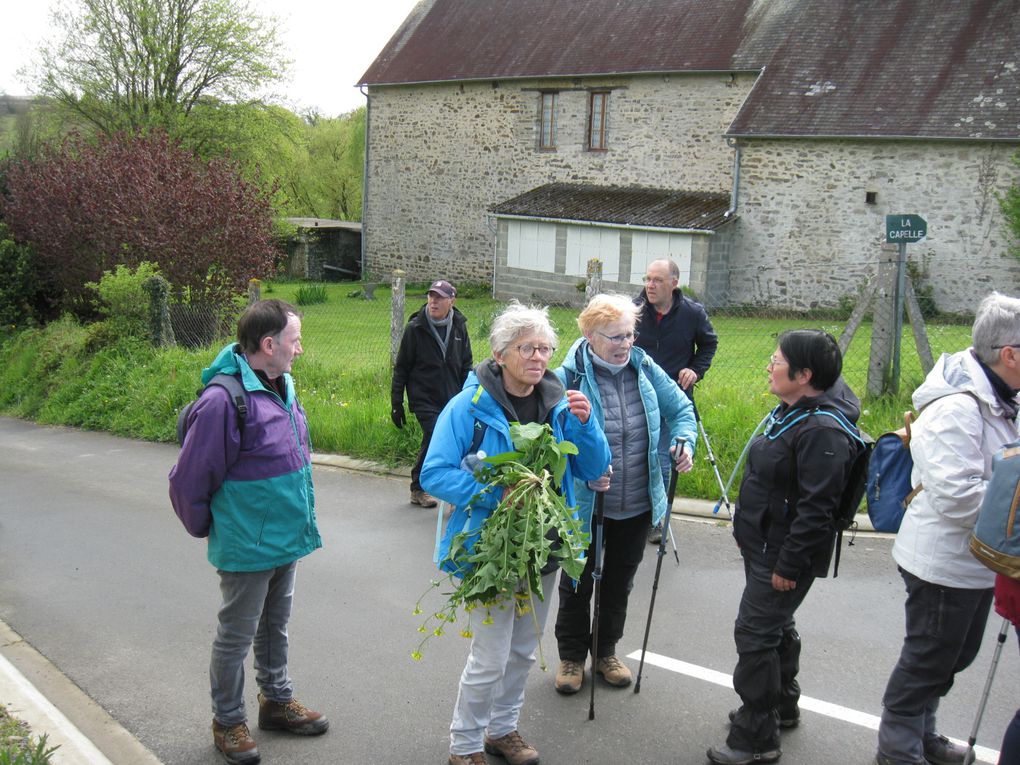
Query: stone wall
440	155
807	235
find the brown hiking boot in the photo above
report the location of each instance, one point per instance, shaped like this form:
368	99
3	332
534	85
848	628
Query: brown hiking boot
613	671
570	676
235	743
514	749
291	716
419	497
475	758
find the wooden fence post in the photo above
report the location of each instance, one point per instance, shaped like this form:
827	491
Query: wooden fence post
593	279
396	314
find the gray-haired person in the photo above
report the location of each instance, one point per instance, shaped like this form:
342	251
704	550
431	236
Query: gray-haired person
968	410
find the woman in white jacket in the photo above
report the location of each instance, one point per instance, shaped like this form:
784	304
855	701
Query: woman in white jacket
968	412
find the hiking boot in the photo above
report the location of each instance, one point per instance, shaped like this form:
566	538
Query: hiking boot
235	743
786	721
939	750
475	758
655	535
570	676
723	755
291	716
512	748
613	671
419	497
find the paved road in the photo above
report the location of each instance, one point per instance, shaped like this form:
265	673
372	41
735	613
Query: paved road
98	575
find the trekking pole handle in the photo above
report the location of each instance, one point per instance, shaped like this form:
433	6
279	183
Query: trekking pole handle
678	448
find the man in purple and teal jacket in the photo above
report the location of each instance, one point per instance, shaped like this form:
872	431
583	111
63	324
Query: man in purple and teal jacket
245	482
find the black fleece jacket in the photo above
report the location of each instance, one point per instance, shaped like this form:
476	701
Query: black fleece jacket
793	482
430	378
682	339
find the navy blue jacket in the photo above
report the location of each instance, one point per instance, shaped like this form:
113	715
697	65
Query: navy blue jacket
684	339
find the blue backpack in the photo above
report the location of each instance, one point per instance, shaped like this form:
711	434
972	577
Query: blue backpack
996	538
888	486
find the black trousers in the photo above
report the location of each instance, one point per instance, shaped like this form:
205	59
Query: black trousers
624	544
768	657
427	420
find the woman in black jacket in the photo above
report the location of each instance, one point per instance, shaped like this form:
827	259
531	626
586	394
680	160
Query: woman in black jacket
795	477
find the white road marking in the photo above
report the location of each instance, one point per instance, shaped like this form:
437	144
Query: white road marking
984	754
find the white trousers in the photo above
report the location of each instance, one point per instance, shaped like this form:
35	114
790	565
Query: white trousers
491	691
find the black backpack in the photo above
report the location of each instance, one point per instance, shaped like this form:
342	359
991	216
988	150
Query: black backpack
232	384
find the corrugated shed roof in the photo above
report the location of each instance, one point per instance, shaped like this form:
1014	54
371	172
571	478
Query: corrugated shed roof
878	68
621	205
912	68
446	40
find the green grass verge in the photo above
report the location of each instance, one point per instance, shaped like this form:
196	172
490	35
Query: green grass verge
343	379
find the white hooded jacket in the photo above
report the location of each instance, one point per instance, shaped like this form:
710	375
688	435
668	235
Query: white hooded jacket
961	427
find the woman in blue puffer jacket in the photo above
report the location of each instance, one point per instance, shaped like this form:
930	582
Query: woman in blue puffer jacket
632	398
515	385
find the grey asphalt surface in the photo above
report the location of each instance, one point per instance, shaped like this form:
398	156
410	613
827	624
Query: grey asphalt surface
99	576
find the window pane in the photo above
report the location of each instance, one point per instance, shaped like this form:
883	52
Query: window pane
547	139
597	121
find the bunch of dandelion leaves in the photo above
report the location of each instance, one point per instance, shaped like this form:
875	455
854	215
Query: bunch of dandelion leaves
513	545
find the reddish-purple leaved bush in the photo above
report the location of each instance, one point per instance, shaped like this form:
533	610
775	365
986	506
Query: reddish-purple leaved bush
87	205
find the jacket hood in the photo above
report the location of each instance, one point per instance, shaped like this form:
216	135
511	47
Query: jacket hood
489	375
838	397
230	361
956	373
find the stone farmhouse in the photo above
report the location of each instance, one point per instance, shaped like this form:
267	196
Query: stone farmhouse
759	143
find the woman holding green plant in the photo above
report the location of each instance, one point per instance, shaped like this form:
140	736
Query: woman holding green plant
498	538
632	399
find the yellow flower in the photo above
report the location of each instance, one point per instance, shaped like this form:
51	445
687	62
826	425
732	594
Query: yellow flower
416	655
466	633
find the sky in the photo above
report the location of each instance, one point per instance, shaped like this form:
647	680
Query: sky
330	43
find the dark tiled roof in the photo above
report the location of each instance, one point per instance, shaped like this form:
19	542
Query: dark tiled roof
490	39
881	68
631	206
914	68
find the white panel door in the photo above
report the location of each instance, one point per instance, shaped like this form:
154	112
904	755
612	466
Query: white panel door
587	242
531	246
650	245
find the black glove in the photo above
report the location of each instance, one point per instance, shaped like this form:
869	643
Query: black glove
398	416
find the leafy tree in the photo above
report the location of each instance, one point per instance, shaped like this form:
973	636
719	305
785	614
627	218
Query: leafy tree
1010	203
326	180
131	64
86	206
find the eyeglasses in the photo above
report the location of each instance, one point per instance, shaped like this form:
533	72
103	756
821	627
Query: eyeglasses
654	280
527	350
620	339
1007	345
774	362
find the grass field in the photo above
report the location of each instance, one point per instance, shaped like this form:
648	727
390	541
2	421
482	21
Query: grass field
343	379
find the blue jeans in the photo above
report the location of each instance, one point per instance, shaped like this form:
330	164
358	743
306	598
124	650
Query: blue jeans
491	691
944	630
255	611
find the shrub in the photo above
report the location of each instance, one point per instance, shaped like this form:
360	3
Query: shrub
88	205
21	291
310	294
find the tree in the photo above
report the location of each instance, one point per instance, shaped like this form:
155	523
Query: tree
86	206
139	64
326	180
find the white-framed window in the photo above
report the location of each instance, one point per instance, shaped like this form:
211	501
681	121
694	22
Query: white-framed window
587	242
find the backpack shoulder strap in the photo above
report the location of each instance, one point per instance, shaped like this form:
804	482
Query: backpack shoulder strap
574	375
235	388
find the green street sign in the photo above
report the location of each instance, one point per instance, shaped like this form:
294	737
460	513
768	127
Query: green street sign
905	228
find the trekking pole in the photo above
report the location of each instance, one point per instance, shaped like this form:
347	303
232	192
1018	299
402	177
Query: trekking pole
715	467
1003	632
679	443
596	575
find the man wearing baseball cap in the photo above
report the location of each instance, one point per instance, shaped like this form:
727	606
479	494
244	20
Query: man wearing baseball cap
433	361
